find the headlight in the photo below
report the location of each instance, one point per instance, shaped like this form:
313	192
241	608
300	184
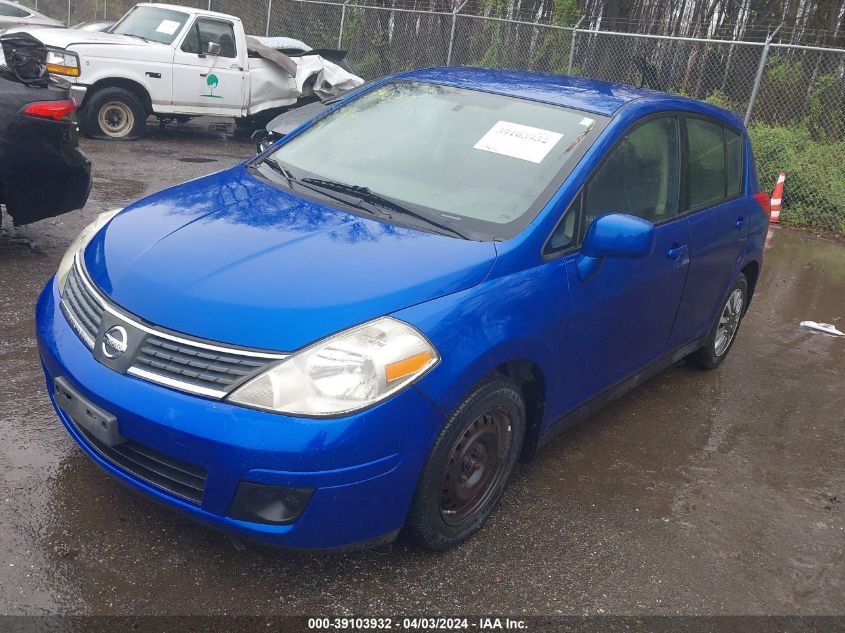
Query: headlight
81	242
61	62
343	373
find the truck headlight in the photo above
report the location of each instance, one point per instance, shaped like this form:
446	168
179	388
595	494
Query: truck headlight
61	62
343	373
80	242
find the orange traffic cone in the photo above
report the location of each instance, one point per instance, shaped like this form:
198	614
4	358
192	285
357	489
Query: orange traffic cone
777	197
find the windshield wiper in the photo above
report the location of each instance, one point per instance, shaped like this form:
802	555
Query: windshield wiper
368	195
140	37
280	169
292	180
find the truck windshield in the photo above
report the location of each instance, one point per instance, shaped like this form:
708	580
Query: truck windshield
152	23
477	163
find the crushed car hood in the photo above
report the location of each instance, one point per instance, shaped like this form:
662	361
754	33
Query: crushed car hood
233	259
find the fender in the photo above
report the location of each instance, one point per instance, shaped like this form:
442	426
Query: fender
152	79
469	352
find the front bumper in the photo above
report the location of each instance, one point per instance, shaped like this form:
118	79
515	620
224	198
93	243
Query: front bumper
363	467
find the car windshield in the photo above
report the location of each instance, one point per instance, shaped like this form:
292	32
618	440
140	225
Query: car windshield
152	23
480	163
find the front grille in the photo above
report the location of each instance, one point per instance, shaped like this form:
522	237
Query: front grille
81	308
163	357
195	365
176	477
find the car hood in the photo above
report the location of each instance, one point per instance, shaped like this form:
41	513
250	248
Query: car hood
233	259
63	38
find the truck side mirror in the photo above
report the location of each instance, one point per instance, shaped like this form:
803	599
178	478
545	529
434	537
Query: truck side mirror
213	48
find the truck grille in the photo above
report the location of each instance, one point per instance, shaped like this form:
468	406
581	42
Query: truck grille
176	477
163	357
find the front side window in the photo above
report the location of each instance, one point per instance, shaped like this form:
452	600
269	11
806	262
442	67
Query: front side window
640	175
565	233
482	163
205	31
12	11
152	23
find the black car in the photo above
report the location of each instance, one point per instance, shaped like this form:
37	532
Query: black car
43	172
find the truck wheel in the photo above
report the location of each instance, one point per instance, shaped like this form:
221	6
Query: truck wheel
114	113
469	466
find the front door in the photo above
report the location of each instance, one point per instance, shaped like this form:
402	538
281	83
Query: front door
210	84
621	318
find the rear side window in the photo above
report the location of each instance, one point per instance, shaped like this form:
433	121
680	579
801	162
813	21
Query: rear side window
733	159
714	156
640	175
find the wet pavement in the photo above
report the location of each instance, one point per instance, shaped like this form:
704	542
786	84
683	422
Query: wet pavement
699	493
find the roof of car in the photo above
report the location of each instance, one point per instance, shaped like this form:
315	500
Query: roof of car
592	95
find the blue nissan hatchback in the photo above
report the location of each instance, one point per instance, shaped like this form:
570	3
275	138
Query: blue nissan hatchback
363	328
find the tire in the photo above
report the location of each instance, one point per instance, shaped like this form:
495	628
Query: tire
716	347
113	114
446	510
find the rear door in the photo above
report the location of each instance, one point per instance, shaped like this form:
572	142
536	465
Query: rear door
622	317
718	215
205	83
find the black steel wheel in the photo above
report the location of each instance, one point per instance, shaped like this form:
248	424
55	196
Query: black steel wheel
469	465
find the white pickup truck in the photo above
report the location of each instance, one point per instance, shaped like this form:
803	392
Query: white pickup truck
176	62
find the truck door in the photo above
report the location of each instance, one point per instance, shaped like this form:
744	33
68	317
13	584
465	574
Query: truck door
207	83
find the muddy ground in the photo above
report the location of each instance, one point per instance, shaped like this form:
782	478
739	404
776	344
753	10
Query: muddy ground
700	493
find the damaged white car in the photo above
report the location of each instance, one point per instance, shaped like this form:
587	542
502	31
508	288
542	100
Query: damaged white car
176	62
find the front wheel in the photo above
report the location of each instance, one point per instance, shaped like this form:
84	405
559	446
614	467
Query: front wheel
115	114
723	333
469	466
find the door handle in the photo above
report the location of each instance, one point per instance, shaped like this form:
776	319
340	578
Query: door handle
740	223
676	251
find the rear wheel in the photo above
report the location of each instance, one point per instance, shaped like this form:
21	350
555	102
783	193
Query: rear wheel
469	466
114	113
723	333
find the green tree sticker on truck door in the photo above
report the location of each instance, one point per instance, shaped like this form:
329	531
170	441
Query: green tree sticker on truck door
212	82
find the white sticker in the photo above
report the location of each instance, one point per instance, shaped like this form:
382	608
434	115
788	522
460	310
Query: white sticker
519	141
586	122
168	27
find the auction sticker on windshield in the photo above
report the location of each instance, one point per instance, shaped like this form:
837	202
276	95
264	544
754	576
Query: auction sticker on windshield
519	141
168	27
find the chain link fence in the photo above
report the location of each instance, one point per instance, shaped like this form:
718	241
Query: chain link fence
792	97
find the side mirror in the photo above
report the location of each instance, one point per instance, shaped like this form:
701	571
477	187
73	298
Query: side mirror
213	48
614	235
